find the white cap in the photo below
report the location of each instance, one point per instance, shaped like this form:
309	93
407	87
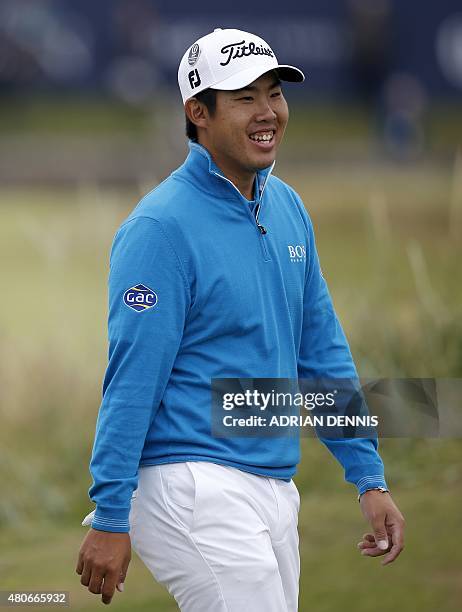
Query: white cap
229	59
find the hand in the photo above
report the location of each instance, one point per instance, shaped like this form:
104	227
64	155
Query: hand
104	556
387	523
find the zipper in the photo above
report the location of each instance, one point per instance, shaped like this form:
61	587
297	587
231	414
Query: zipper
261	228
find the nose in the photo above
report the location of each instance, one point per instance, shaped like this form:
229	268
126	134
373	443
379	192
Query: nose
265	111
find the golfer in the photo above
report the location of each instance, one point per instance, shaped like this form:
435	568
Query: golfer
215	274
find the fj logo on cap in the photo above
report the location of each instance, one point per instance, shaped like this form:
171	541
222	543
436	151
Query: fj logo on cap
228	59
194	78
140	298
194	53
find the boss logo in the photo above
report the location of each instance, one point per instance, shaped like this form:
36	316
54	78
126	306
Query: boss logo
297	252
194	78
140	298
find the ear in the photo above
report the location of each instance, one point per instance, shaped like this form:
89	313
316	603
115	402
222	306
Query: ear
196	112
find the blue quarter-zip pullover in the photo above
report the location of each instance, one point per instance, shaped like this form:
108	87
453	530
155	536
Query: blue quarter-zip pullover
200	287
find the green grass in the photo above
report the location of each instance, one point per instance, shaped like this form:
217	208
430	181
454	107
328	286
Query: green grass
315	124
46	559
427	576
43	115
390	253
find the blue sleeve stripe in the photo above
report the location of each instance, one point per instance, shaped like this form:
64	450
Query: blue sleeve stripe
368	479
110	522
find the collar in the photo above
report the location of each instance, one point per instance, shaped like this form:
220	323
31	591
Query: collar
201	168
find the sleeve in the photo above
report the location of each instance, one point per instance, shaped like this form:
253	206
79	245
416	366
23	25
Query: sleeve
148	302
324	353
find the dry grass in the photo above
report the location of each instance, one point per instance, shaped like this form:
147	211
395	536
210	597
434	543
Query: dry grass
391	257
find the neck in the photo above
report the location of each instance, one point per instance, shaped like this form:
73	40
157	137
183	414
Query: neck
244	180
243	183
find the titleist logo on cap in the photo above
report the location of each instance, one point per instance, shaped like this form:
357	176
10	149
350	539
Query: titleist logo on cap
240	49
212	61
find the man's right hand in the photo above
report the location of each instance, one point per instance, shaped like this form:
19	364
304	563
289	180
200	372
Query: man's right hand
103	562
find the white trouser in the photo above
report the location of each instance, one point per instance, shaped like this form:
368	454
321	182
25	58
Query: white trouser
219	539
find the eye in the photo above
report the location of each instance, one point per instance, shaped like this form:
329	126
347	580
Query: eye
276	94
248	98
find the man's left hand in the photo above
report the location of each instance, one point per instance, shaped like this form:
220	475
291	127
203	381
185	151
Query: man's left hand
387	523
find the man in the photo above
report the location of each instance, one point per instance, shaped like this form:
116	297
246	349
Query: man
215	275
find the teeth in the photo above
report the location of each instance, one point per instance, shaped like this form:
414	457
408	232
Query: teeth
262	137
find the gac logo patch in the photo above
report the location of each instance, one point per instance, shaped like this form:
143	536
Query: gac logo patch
140	298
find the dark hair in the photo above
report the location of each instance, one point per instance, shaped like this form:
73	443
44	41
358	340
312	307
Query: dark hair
209	98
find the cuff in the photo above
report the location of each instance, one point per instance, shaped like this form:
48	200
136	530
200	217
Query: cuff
108	518
366	476
371	482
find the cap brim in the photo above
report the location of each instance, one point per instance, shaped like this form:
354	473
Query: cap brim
245	77
290	73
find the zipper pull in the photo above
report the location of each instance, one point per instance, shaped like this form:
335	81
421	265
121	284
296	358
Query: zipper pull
262	229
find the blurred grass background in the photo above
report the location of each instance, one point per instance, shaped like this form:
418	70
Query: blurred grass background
389	238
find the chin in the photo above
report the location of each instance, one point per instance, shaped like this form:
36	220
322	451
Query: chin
265	160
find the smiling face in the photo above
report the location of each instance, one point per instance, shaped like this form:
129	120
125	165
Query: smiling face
245	131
